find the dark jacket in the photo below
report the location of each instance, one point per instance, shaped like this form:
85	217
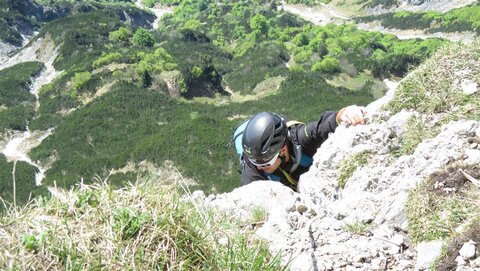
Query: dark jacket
310	136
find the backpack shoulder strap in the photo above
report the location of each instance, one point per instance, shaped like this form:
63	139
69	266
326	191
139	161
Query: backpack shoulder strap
290	123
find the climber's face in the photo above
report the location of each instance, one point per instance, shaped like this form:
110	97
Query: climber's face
275	163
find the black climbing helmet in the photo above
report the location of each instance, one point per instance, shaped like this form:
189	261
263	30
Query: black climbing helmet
263	137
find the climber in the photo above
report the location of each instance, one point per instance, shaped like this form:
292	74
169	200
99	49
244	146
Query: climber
281	150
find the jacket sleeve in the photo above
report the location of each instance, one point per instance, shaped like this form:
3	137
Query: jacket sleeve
311	135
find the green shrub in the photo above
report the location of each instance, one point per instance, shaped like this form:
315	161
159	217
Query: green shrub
301	39
303	56
106	59
197	71
192	24
80	79
327	65
259	23
142	37
121	35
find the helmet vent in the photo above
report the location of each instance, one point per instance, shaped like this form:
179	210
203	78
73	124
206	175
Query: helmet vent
264	143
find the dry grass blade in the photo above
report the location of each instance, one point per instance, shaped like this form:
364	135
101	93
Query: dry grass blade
470	178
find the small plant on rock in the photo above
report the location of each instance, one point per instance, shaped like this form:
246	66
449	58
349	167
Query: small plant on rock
415	133
129	221
357	228
349	165
258	216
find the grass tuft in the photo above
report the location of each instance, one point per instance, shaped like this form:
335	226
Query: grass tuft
447	200
416	132
436	86
145	226
357	228
349	165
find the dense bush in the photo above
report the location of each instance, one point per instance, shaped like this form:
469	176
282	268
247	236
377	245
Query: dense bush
266	60
16	101
16	117
26	188
120	35
15	83
327	65
80	79
142	37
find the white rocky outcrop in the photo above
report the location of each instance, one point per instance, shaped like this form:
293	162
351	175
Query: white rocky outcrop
312	226
363	225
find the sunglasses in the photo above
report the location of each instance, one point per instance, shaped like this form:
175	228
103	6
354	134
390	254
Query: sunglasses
266	164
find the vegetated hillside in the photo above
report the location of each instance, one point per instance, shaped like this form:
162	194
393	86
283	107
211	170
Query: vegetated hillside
457	20
359	206
127	96
376	7
20	20
453	20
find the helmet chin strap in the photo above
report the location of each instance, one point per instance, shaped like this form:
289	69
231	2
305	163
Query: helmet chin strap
298	155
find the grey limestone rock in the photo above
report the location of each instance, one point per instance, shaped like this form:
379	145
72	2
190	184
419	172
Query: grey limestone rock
427	252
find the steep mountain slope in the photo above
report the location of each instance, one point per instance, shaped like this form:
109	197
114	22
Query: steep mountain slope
121	97
387	195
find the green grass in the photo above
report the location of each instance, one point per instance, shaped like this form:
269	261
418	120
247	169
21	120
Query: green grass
360	81
348	166
415	133
435	87
357	228
258	216
432	217
144	226
438	206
